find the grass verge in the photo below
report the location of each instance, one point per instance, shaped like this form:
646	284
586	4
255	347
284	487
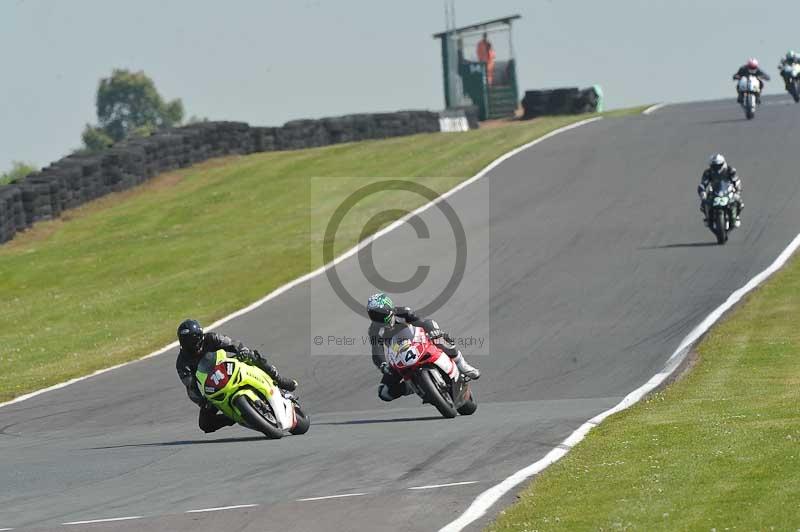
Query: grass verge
717	450
109	281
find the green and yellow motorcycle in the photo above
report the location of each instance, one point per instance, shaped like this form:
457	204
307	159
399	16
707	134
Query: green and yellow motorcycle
248	396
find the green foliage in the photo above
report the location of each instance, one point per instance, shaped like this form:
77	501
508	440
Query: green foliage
95	139
18	171
127	102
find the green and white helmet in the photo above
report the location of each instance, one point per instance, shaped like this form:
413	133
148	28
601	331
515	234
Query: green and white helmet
791	55
381	309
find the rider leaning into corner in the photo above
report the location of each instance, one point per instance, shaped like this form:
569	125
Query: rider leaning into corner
718	169
791	58
194	344
384	325
751	68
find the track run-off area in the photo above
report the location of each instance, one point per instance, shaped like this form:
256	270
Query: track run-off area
598	268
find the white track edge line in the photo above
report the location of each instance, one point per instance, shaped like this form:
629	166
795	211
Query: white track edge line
433	486
109	520
218	508
654	108
322	269
486	500
340	496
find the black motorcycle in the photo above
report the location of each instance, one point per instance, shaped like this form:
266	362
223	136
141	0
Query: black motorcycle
721	207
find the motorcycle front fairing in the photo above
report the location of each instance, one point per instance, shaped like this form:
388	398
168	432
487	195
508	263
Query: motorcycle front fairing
222	378
411	348
749	84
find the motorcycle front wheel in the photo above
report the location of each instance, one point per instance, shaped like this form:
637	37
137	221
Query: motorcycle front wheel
721	229
434	395
255	420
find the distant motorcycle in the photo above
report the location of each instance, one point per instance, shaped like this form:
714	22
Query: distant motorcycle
721	206
430	372
750	88
791	72
248	396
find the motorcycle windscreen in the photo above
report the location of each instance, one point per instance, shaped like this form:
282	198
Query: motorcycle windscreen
721	187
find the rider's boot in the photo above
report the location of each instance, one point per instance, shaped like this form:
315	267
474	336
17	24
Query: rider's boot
284	383
740	98
465	368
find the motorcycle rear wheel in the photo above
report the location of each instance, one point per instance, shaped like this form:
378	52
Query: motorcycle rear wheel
303	421
255	420
470	405
433	395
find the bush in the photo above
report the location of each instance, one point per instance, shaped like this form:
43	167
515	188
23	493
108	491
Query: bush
18	171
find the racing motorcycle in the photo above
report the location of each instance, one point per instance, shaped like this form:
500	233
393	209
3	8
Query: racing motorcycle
749	87
248	396
430	372
721	205
791	72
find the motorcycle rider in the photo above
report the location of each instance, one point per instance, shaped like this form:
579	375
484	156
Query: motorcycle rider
718	169
194	344
384	325
751	68
791	58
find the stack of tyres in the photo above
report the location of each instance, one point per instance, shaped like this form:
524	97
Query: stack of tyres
566	101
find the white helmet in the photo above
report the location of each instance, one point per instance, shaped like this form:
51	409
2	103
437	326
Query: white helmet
718	163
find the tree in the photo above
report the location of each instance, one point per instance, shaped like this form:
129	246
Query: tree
128	101
95	139
18	171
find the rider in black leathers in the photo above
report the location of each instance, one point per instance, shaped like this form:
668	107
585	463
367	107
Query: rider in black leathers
791	58
751	68
719	169
194	344
383	326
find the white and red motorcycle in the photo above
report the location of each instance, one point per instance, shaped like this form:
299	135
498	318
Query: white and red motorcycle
749	87
430	372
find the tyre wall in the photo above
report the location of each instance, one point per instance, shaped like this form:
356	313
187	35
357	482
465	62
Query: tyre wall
568	101
77	179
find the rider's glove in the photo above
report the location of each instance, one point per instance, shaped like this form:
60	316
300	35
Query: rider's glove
436	335
385	368
245	355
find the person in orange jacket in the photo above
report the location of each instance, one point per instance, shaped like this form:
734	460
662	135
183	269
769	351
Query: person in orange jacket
486	55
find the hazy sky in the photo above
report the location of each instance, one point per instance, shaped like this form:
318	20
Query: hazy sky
268	61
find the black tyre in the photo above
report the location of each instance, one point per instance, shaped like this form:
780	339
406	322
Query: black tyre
303	421
795	92
749	106
470	406
720	229
440	398
255	420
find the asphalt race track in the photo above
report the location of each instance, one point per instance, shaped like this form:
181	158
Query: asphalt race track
599	267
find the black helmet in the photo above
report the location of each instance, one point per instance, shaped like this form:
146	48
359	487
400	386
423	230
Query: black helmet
190	336
381	309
